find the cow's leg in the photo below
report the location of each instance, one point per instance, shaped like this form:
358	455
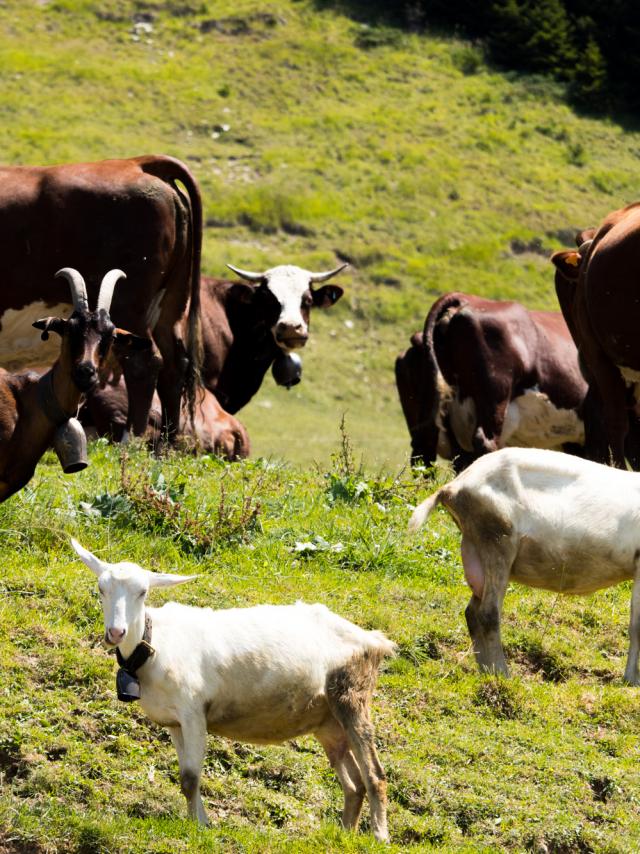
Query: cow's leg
487	569
612	393
491	408
631	670
140	371
171	380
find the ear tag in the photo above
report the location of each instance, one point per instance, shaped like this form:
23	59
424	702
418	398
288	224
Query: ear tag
573	259
127	686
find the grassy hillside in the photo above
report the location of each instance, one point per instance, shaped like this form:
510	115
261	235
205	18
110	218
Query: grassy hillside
317	138
545	762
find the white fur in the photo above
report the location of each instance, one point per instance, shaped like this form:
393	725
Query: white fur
252	674
547	520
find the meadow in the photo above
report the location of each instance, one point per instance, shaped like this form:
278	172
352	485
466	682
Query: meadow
315	138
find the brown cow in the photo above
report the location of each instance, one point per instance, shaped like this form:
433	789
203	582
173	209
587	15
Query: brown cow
485	374
129	214
599	292
211	431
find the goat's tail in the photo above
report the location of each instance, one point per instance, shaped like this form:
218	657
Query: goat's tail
422	511
380	645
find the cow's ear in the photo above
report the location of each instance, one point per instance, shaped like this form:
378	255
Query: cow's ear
130	342
50	324
584	235
243	292
326	296
567	262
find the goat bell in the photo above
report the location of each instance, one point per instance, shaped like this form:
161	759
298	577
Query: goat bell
70	444
287	369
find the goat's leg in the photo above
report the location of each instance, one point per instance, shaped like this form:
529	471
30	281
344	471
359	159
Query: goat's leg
488	578
190	742
631	670
334	741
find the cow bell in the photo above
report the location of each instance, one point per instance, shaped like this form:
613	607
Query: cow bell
287	369
70	444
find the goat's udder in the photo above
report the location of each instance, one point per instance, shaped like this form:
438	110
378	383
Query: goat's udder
473	572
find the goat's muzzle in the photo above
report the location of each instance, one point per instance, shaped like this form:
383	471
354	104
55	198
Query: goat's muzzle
85	376
70	444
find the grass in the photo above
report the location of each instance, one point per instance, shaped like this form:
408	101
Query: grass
314	139
548	758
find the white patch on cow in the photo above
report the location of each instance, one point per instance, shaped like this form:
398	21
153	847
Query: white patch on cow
463	419
20	344
288	283
532	421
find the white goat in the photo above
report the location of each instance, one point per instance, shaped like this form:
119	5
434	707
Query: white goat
547	520
262	675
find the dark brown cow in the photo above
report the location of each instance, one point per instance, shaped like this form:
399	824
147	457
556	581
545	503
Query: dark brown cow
248	327
212	430
129	214
598	287
485	374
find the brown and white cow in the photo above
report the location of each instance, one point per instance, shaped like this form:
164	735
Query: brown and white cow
247	327
598	287
484	374
130	214
250	326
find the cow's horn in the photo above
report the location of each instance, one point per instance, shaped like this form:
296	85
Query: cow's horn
105	295
584	248
247	274
78	287
322	277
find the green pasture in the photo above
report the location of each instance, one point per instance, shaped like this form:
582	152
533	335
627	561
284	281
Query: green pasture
315	139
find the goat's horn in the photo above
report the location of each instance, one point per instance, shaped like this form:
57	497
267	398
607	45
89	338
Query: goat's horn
247	274
322	277
105	295
584	248
78	287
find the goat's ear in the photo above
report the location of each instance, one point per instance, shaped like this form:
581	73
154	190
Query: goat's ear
130	342
50	324
168	579
326	296
95	564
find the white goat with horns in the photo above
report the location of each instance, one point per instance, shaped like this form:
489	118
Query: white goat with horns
263	675
547	520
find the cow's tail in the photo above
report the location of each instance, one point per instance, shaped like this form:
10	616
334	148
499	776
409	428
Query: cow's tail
447	304
422	511
170	169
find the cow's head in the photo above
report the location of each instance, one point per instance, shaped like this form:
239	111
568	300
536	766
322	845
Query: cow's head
87	336
287	297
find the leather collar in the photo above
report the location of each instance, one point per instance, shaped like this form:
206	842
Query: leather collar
141	653
127	683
